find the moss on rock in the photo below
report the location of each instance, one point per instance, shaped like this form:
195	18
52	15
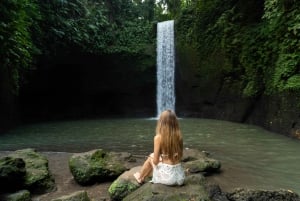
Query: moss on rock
120	188
38	178
22	195
12	173
96	166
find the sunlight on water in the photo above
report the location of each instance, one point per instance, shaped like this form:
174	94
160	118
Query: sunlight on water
250	156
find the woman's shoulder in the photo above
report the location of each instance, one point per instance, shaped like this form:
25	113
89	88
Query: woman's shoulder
157	137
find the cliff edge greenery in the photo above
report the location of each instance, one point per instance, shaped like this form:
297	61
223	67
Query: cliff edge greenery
252	44
256	42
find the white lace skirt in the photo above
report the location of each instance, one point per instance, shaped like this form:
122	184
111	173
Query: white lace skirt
168	174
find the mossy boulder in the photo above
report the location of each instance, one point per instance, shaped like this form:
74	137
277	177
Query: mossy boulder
208	165
97	166
195	161
241	194
193	154
38	178
193	189
12	173
22	195
124	184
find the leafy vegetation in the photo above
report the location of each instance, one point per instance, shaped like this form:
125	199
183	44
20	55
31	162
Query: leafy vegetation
30	30
95	27
257	41
18	19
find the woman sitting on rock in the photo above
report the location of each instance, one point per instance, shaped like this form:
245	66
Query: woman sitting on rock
164	162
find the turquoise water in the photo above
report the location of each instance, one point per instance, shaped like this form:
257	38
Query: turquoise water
250	156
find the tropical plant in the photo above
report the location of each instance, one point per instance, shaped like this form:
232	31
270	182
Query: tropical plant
17	21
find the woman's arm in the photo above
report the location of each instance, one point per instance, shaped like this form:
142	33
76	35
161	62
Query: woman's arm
156	152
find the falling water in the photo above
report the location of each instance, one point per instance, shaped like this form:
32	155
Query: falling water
165	66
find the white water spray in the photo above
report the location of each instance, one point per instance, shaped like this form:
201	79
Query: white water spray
165	67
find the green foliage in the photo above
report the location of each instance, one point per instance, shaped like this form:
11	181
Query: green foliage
258	40
197	25
284	33
257	43
272	9
126	39
16	47
270	50
95	27
50	34
73	24
54	28
293	83
173	7
145	9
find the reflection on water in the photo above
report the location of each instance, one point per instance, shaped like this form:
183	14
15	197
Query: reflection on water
251	156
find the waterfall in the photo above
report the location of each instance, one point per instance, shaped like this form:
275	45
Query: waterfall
165	97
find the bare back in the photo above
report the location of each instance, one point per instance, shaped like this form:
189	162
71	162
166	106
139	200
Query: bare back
159	155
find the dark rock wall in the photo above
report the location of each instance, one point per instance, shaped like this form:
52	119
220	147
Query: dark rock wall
111	86
8	102
278	113
88	87
205	93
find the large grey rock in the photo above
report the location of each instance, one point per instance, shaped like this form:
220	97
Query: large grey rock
12	173
97	166
38	178
124	184
22	195
193	154
241	194
195	161
215	193
193	189
203	165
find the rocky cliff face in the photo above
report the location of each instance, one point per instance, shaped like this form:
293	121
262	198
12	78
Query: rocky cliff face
97	89
205	93
88	87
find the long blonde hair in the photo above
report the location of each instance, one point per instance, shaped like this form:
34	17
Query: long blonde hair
171	138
